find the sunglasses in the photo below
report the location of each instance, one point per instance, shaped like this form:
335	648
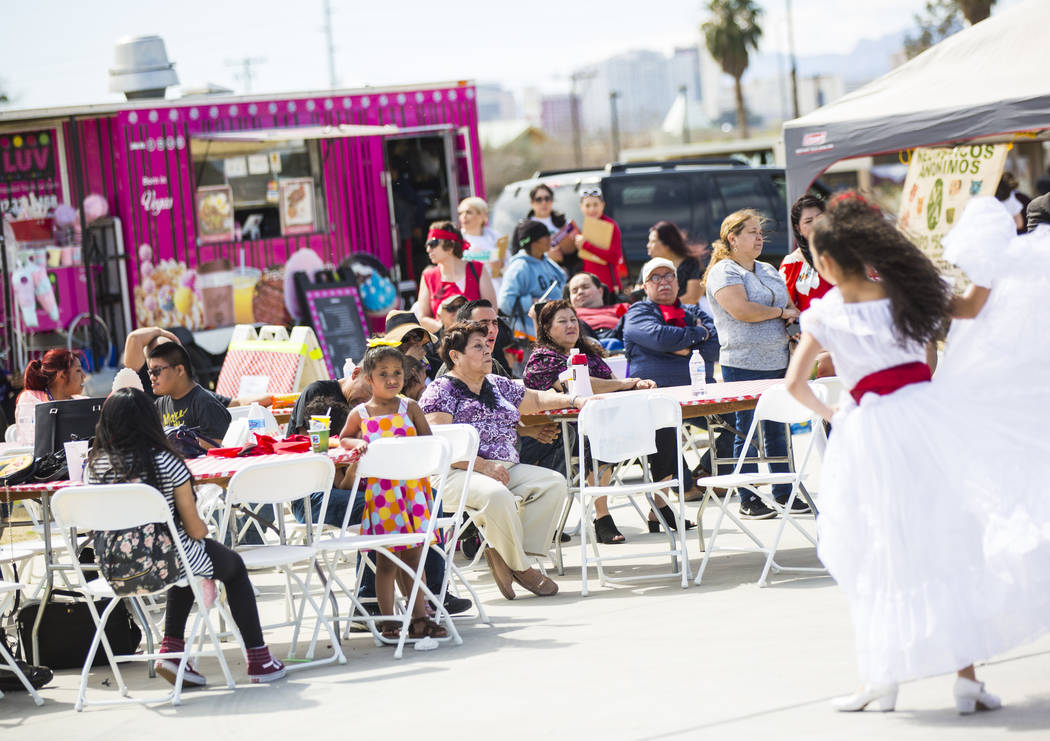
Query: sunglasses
434	243
156	370
542	199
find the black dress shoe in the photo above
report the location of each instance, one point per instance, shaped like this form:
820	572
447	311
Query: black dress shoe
456	605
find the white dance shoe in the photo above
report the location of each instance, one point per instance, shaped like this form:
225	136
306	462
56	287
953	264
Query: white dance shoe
971	697
883	699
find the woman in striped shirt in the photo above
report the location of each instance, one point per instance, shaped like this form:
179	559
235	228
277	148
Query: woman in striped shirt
130	446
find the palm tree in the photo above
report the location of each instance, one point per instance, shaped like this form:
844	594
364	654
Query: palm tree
730	32
941	18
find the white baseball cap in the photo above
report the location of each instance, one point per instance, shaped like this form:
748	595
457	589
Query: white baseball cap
656	262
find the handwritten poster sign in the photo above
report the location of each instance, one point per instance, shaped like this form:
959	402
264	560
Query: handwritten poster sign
939	183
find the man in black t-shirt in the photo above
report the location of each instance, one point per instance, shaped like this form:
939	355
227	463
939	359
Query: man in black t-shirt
180	399
354	389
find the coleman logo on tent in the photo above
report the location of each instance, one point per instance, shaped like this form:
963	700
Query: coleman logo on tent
816	141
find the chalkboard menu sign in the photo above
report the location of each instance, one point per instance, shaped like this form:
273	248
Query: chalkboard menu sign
339	322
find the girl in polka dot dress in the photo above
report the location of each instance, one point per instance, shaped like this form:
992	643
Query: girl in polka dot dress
392	506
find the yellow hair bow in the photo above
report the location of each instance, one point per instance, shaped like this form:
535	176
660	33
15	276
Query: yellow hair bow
382	342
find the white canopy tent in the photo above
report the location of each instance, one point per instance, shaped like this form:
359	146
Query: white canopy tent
987	82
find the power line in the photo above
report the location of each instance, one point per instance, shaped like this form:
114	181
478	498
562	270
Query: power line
245	64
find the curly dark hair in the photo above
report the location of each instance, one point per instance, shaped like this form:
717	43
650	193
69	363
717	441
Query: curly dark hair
127	438
456	338
546	318
858	236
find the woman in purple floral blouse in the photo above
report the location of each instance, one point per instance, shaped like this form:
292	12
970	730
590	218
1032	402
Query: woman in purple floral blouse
471	394
558	333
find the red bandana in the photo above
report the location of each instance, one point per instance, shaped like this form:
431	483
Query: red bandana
446	235
673	315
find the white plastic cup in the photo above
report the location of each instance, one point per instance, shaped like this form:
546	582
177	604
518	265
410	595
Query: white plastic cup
76	458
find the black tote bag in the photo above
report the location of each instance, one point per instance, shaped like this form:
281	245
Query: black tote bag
58	422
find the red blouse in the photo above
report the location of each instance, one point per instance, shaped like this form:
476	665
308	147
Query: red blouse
804	283
440	290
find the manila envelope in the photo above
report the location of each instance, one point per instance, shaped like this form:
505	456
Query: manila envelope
597	232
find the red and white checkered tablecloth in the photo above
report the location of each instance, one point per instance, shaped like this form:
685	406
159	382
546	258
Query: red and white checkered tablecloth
208	468
214	467
715	393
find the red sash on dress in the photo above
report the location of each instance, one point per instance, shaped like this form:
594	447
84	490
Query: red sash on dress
888	380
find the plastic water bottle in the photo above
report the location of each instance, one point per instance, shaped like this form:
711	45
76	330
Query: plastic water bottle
256	419
697	374
25	421
580	384
348	367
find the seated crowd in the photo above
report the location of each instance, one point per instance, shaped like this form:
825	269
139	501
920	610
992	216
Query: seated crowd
446	361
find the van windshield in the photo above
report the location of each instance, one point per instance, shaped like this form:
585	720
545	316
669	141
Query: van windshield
513	204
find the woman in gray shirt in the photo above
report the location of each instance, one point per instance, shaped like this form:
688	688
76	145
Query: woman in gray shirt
751	308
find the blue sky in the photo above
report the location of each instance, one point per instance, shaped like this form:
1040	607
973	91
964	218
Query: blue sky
381	43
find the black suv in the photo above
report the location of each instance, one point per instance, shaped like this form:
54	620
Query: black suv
695	195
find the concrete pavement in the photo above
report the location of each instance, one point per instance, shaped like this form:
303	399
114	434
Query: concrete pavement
723	660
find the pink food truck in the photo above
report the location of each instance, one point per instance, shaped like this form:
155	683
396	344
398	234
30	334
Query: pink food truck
206	191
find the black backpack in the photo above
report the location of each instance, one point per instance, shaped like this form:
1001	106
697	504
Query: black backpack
66	631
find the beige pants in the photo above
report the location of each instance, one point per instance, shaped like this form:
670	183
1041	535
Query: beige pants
514	529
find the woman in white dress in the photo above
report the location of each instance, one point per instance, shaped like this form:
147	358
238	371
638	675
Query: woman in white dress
928	522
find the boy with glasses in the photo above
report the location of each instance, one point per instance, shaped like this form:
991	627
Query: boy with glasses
180	399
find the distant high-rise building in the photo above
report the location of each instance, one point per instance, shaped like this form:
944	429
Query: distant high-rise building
495	103
711	77
642	80
685	72
556	114
532	105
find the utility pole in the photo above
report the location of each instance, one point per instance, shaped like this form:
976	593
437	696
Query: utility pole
245	75
794	64
574	112
332	81
614	125
684	92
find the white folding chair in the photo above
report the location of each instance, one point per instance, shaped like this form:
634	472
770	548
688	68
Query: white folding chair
7	661
775	405
463	442
120	507
661	412
397	459
278	483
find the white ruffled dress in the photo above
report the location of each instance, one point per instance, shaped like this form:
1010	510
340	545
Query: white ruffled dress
934	504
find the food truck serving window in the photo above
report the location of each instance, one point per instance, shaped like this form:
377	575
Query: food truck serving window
262	188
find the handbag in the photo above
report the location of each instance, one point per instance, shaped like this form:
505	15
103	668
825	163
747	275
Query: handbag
66	631
186	441
59	422
139	560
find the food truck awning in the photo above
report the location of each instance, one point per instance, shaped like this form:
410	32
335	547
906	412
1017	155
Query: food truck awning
295	133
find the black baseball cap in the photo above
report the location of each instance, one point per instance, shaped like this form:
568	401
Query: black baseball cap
528	232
